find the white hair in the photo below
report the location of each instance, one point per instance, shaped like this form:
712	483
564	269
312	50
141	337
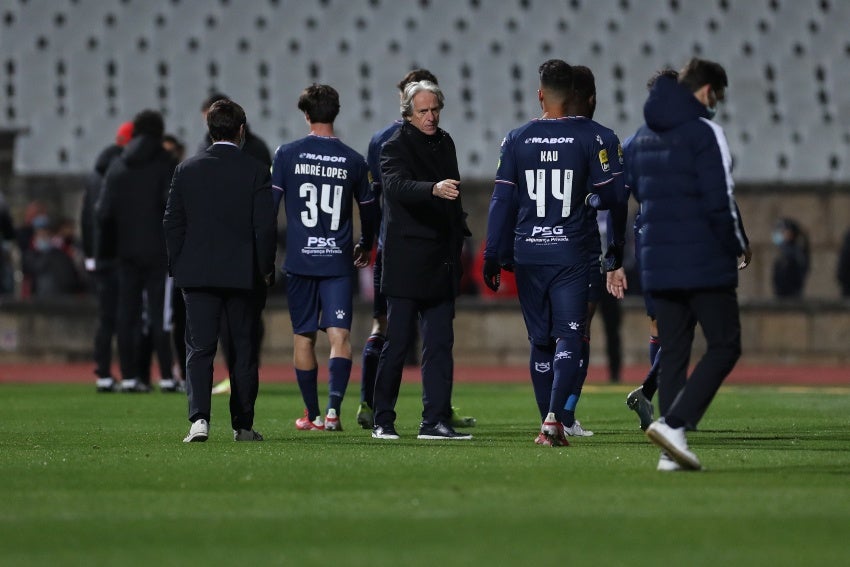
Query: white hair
412	89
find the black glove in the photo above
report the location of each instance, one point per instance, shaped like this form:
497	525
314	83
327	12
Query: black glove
492	273
612	259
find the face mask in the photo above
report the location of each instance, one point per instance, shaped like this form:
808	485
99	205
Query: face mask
42	244
778	238
712	110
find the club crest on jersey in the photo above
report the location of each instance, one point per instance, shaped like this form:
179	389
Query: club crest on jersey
603	160
542	366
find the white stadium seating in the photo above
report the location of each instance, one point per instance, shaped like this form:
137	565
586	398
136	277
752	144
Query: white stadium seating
72	70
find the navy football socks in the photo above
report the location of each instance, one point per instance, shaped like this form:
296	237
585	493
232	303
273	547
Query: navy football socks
572	401
565	366
542	375
339	370
307	383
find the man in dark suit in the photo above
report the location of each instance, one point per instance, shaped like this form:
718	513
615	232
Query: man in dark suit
221	236
424	230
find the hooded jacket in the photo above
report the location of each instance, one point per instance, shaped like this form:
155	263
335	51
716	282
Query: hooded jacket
132	202
88	222
678	166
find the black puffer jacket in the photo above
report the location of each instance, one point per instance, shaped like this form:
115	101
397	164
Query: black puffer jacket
132	202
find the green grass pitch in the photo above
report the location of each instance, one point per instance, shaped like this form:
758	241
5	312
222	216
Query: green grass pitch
92	479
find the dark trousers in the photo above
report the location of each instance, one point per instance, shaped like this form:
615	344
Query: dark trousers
106	293
206	310
678	311
436	327
612	318
133	279
178	328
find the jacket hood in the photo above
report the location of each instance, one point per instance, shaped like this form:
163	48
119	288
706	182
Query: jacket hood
102	162
671	104
141	150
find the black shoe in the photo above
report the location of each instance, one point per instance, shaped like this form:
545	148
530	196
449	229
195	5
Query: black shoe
171	385
384	432
135	386
106	384
441	430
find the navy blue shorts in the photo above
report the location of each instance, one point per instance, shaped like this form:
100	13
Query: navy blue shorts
553	300
319	302
595	281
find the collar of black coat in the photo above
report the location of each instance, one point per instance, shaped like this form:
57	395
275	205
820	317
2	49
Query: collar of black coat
417	136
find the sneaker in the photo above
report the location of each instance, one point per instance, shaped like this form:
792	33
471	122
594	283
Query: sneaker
222	387
199	432
332	421
365	416
304	423
246	435
638	403
134	386
576	430
106	384
461	420
441	430
552	431
171	385
666	464
384	432
674	442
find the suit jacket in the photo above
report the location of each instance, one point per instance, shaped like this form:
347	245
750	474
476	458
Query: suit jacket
129	209
423	233
219	222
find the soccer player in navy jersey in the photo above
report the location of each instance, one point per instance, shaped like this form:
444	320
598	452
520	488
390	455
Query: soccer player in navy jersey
377	337
581	109
545	171
318	177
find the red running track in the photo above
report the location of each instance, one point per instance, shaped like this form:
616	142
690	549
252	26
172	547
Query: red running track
742	374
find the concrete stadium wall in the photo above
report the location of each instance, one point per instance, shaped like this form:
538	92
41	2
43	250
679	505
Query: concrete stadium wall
813	330
486	333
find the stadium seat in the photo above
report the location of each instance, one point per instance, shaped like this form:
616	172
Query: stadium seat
170	54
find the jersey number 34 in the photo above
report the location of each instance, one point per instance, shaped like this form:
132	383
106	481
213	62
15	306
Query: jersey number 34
330	202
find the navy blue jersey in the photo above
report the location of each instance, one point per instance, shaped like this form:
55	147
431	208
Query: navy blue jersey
373	159
609	141
546	168
318	178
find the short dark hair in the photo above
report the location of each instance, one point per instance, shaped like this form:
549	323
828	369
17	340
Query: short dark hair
556	76
224	119
665	72
320	103
416	76
148	123
699	72
212	99
584	83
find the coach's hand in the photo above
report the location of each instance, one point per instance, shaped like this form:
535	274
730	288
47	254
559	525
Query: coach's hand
492	273
446	189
